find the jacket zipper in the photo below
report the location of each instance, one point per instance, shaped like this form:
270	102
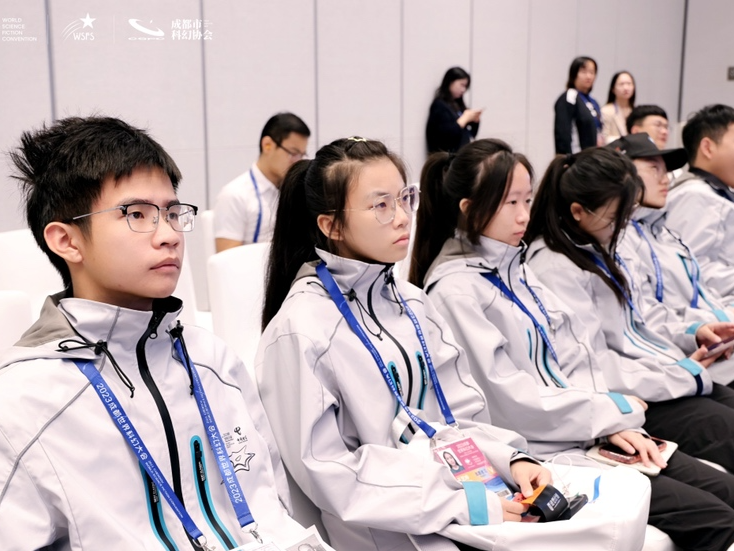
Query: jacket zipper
154	509
403	353
153	324
203	491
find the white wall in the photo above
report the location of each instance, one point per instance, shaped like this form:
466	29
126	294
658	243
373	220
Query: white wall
709	47
345	66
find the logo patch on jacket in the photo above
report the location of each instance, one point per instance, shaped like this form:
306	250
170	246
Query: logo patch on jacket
236	445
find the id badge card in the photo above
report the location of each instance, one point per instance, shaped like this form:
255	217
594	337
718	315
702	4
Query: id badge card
467	463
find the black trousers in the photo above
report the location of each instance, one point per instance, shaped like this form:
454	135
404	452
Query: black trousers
703	426
694	504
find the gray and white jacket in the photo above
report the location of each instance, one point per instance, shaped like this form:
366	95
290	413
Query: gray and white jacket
635	359
340	434
674	295
558	406
701	210
68	479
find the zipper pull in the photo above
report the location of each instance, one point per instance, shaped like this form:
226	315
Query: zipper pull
199	463
396	376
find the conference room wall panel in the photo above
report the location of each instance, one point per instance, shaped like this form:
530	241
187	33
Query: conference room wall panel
358	70
708	55
500	45
346	67
436	36
25	95
261	61
144	76
552	47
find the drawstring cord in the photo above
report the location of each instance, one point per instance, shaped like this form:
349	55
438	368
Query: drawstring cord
99	347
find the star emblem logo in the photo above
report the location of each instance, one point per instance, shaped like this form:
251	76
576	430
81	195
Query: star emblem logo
87	21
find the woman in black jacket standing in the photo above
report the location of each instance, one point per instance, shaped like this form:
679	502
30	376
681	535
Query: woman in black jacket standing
578	116
450	123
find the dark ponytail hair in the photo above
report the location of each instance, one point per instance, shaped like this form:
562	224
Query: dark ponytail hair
311	188
592	179
482	172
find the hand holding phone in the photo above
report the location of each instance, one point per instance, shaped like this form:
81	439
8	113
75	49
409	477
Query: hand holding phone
719	347
610	451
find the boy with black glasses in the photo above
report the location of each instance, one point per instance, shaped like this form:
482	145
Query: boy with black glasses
120	428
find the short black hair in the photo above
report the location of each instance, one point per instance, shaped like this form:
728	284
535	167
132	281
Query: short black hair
280	126
710	122
573	70
641	112
61	169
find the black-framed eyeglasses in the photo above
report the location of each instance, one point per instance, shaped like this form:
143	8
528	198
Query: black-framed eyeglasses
295	155
144	217
385	206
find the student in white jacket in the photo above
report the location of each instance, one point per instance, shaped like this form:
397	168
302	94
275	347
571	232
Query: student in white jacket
76	459
581	204
529	352
343	433
672	288
701	201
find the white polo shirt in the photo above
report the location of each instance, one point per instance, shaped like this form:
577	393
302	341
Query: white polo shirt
241	203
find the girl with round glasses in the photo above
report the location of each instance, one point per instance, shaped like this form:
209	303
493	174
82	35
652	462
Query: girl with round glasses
366	367
528	350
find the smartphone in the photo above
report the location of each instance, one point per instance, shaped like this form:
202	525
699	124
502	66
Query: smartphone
611	451
719	347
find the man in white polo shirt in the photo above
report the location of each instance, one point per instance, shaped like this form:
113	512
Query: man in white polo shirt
245	208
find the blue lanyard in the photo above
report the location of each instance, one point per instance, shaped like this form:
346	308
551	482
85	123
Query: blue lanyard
231	482
695	269
259	207
495	279
655	262
128	431
333	289
604	269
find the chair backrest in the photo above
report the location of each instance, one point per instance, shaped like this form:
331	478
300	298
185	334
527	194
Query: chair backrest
27	268
16	316
206	218
236	281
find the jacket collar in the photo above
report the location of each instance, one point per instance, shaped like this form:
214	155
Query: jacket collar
68	318
459	255
349	274
655	218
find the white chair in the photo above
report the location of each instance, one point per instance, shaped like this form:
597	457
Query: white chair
28	268
206	223
16	316
236	282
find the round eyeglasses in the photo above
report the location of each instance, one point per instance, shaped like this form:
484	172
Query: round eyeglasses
144	217
384	206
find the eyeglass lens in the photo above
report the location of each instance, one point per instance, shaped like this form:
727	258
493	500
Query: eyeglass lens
143	217
385	205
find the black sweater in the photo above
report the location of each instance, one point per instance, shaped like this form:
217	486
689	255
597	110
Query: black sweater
443	133
569	114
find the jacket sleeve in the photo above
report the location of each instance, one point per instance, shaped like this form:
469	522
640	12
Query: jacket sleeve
358	483
703	219
643	375
29	521
562	126
517	400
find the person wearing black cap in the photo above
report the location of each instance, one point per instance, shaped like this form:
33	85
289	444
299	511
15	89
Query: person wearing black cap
675	295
